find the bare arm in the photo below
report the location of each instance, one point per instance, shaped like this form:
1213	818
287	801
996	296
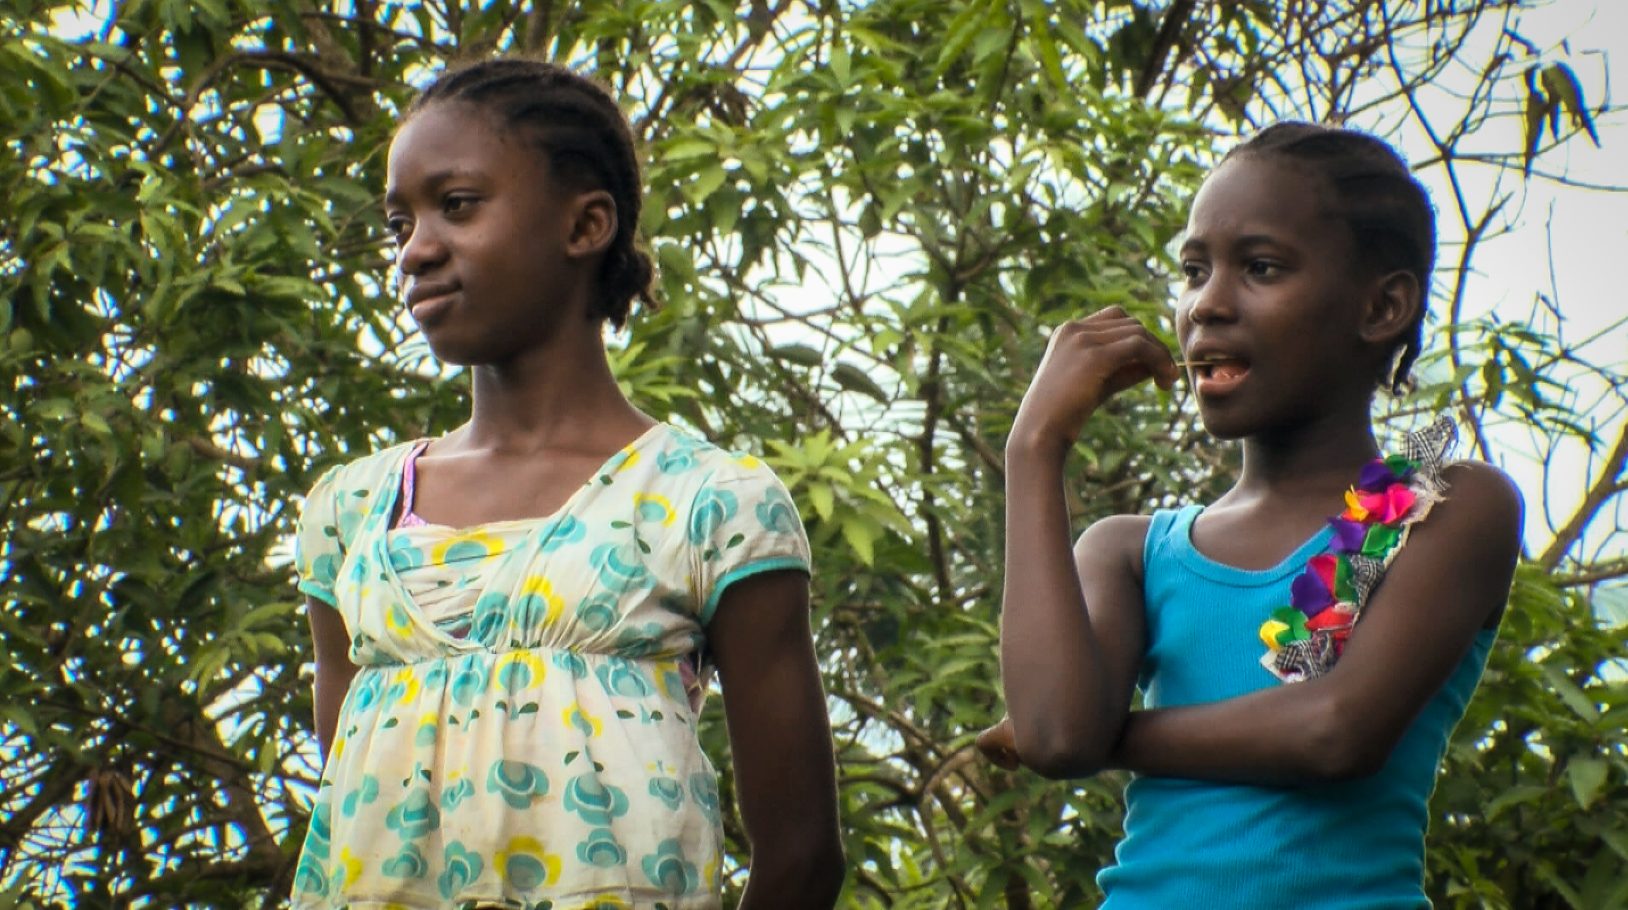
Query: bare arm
780	736
334	670
1071	626
1449	582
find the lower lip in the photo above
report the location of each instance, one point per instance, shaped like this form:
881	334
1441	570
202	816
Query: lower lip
426	311
1212	387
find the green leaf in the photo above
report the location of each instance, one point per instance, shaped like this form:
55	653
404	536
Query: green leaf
854	379
1586	776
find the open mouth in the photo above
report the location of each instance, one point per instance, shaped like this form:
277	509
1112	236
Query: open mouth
1218	375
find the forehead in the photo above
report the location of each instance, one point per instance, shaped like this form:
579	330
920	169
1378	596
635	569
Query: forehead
1256	195
454	138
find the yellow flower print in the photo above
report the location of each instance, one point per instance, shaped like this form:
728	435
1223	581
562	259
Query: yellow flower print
574	716
468	545
629	459
403	685
350	868
397	621
518	670
536	604
526	866
749	462
654	507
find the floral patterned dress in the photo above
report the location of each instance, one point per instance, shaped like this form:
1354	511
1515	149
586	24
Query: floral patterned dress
539	752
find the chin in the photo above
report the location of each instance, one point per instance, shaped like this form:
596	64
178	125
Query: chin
1227	423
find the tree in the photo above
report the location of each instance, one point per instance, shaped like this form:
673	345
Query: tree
864	215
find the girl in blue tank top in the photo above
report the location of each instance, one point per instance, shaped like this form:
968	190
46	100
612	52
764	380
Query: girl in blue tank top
1305	643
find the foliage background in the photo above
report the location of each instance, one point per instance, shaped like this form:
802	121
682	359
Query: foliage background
864	214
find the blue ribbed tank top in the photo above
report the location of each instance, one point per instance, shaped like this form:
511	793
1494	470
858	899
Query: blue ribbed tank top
1356	844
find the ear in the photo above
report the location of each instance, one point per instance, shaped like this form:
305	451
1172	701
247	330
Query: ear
1393	305
593	224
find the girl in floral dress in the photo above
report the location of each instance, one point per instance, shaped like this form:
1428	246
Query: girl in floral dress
513	622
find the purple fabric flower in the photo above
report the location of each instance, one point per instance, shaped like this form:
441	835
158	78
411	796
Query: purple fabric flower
1376	476
1309	595
1348	535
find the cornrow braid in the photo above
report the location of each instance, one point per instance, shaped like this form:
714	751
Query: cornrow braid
588	144
1388	211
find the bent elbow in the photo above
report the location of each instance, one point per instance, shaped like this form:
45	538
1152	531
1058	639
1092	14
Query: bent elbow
1055	755
1341	751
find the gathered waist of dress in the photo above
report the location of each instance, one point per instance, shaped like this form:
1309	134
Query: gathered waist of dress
477	651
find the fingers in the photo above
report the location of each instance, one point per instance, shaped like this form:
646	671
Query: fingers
999	745
1132	353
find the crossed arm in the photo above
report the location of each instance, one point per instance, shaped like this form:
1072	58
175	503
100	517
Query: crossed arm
1450	581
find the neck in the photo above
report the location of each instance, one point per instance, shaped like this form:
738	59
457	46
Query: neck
1319	457
559	395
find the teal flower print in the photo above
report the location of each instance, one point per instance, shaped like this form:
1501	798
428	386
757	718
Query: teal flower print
325	569
409	863
469	681
711	509
462	867
704	790
560	532
403	555
668	790
624	678
366	792
668	870
601	849
309	877
518	783
490	612
571	662
597	803
599	611
621	567
414	816
676	460
523	871
454	795
349	521
777	514
319	837
640	641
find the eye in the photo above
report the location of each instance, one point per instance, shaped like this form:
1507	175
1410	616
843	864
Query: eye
1263	268
458	203
399	226
1194	271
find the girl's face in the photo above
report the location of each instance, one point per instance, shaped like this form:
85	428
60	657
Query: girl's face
485	243
1273	302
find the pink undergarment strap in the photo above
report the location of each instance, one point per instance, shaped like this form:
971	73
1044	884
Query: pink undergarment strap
409	476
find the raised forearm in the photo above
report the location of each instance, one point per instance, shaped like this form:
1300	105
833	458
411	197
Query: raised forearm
1050	666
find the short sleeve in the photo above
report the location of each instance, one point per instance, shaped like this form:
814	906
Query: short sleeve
318	551
742	522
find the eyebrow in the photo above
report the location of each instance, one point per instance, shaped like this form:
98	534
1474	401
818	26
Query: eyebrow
1192	244
433	180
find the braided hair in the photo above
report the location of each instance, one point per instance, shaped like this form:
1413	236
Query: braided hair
1372	191
588	145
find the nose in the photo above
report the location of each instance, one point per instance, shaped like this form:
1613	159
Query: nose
1209	303
422	251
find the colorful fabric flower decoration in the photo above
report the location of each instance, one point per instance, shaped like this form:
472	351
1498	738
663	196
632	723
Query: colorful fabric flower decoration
1305	638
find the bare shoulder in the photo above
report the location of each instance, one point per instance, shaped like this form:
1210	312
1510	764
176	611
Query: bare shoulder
1117	539
1482	496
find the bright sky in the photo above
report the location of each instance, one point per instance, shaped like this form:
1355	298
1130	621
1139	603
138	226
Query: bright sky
1587	232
